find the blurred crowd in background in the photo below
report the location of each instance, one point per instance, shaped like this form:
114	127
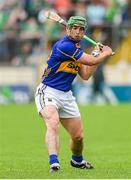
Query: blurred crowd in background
24	32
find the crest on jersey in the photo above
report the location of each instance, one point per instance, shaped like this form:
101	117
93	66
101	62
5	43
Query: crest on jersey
78	45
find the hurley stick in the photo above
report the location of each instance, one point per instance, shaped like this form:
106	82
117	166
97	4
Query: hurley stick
55	17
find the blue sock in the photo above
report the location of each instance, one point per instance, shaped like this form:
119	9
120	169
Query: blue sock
53	159
77	158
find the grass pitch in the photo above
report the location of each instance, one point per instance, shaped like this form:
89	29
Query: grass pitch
23	154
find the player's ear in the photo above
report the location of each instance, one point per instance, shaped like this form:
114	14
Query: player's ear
68	31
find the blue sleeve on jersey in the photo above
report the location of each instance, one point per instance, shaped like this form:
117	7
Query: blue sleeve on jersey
68	50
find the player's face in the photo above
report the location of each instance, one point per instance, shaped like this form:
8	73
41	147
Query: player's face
76	33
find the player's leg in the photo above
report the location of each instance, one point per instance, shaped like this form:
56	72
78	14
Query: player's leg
71	120
75	129
51	119
47	107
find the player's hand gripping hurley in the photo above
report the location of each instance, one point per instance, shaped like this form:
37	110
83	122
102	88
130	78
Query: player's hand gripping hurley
55	17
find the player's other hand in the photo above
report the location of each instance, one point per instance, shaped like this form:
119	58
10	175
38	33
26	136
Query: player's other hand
107	50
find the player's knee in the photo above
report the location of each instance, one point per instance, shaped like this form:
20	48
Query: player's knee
78	137
52	125
51	121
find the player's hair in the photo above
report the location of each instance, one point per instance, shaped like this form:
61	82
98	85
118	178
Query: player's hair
77	20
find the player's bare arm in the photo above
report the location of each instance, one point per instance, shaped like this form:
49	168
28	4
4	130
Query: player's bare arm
90	60
85	71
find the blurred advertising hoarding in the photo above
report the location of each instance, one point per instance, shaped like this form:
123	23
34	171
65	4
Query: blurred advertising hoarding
14	94
17	84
